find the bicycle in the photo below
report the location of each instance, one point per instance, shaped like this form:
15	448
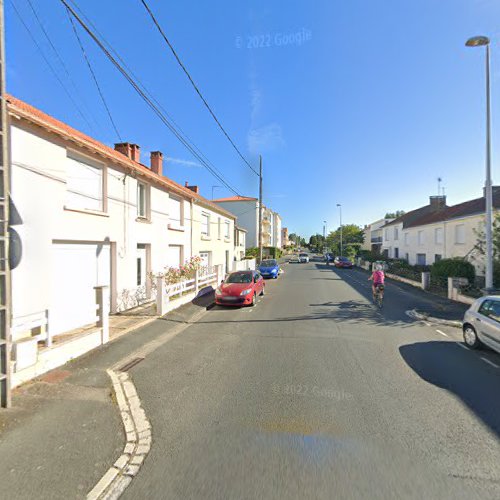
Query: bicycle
379	296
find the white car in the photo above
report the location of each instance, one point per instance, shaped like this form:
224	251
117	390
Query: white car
481	324
303	257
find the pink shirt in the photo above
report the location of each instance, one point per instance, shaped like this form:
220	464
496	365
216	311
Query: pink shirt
378	277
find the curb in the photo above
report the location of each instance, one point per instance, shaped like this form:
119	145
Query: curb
138	431
424	317
134	327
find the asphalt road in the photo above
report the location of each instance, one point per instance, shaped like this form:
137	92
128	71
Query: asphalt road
315	393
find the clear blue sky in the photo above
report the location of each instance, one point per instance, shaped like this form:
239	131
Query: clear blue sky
379	100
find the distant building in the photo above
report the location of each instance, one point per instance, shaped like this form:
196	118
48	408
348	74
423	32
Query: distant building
284	237
246	209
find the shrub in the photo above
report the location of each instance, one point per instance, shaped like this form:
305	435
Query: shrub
252	252
455	268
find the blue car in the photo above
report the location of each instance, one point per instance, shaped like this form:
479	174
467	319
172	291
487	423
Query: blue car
269	268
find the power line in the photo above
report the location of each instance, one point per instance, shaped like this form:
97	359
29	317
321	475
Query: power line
143	87
54	72
92	73
146	6
148	100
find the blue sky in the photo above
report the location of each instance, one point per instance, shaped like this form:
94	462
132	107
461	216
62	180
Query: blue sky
362	103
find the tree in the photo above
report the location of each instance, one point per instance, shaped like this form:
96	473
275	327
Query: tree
394	215
351	234
316	241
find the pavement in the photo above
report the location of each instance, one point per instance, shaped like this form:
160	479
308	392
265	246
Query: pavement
313	393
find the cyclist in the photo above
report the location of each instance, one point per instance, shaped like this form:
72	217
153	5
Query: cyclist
378	278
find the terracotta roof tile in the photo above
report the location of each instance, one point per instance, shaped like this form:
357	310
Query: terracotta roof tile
38	117
235	198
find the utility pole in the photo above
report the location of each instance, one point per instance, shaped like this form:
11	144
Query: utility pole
260	209
341	249
5	399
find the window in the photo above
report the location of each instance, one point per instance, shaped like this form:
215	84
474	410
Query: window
176	212
226	234
142	200
396	233
491	309
205	224
396	253
421	259
219	228
84	185
437	257
421	237
386	234
460	234
407	239
438	236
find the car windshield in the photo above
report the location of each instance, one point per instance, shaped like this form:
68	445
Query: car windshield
268	263
239	278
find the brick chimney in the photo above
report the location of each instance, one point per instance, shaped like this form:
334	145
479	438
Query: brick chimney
195	189
136	153
157	162
437	202
125	148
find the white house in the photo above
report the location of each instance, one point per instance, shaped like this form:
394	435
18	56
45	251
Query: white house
426	236
246	209
373	235
88	216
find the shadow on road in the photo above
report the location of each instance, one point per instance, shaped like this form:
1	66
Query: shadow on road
442	364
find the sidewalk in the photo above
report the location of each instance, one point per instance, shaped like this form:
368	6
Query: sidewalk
64	428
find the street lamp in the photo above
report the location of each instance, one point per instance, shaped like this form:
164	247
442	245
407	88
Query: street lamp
325	232
341	249
213	187
483	41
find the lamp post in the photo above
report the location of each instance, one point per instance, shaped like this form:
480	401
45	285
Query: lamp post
341	249
325	232
213	187
483	41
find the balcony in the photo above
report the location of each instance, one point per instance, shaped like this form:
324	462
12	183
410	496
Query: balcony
376	239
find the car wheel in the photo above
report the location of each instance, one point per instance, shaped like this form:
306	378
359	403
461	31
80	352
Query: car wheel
470	337
254	300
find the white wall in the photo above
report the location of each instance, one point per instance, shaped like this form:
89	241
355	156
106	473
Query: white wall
39	163
247	214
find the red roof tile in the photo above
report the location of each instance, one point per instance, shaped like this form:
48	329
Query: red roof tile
26	111
235	198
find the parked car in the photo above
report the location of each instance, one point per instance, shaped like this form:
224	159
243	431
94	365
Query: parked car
343	262
303	257
481	324
240	288
269	268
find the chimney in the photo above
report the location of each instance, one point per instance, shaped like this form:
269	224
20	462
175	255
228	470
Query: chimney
124	148
437	202
195	189
136	152
157	162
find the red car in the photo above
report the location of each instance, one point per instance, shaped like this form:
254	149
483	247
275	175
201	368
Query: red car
343	262
240	289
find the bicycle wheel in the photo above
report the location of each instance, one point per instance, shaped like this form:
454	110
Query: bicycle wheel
380	300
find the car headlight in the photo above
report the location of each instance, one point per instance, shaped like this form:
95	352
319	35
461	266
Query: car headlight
218	291
246	292
274	271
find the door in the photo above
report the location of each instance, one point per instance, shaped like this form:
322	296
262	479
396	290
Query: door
76	269
141	266
488	323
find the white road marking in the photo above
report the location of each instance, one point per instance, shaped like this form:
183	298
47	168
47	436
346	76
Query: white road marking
490	362
442	333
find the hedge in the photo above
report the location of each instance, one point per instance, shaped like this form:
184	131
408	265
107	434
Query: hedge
453	268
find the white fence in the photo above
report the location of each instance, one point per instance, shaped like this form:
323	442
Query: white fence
186	290
244	265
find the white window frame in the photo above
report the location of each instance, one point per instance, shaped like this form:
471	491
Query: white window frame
219	228
207	224
227	234
176	223
407	238
421	238
396	234
93	164
438	235
386	235
146	215
457	238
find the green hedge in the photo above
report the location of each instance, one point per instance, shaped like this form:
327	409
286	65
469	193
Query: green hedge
453	268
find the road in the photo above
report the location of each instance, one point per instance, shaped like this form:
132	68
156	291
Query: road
314	393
